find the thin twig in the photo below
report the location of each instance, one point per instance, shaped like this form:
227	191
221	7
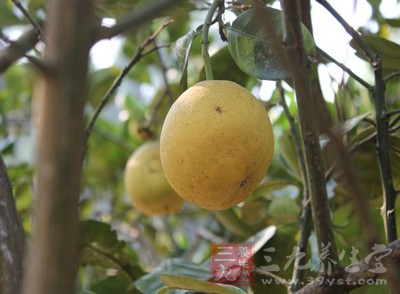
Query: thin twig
350	30
305	225
117	82
33	22
392	76
346	69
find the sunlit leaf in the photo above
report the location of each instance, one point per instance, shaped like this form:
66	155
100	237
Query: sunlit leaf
187	283
255	42
151	282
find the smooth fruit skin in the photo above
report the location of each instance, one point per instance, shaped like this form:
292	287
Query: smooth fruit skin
146	185
216	144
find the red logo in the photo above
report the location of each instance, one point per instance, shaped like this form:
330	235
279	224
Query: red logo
231	263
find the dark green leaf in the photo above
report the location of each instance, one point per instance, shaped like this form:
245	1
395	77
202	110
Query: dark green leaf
255	42
115	284
187	283
229	219
225	68
388	50
100	246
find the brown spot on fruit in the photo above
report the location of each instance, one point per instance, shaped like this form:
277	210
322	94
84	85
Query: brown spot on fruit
218	109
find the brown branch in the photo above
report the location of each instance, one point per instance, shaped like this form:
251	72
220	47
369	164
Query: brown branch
17	49
135	18
53	256
11	238
300	69
360	273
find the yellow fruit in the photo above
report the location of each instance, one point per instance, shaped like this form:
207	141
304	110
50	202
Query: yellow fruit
216	144
146	185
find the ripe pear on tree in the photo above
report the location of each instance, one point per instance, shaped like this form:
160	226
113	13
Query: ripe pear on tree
216	144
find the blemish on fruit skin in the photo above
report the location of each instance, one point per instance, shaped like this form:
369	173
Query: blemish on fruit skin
218	109
243	183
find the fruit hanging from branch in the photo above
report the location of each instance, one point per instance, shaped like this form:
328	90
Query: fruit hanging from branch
216	144
146	185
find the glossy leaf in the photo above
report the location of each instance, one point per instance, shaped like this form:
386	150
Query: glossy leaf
151	282
187	283
255	42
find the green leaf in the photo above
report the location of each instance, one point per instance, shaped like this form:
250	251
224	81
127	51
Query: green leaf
284	210
187	283
7	17
388	50
114	284
151	282
99	82
289	154
182	47
229	219
100	246
393	22
225	68
255	42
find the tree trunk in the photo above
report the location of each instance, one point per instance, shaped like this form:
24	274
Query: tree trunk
53	256
11	238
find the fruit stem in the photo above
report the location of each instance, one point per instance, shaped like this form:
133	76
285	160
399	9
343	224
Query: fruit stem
204	39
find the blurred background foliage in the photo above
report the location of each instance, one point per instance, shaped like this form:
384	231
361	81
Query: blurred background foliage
123	251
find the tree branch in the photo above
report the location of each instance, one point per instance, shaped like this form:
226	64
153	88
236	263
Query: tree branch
134	19
382	148
300	69
17	49
11	238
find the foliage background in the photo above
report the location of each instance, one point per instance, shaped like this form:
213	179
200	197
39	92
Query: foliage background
120	245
